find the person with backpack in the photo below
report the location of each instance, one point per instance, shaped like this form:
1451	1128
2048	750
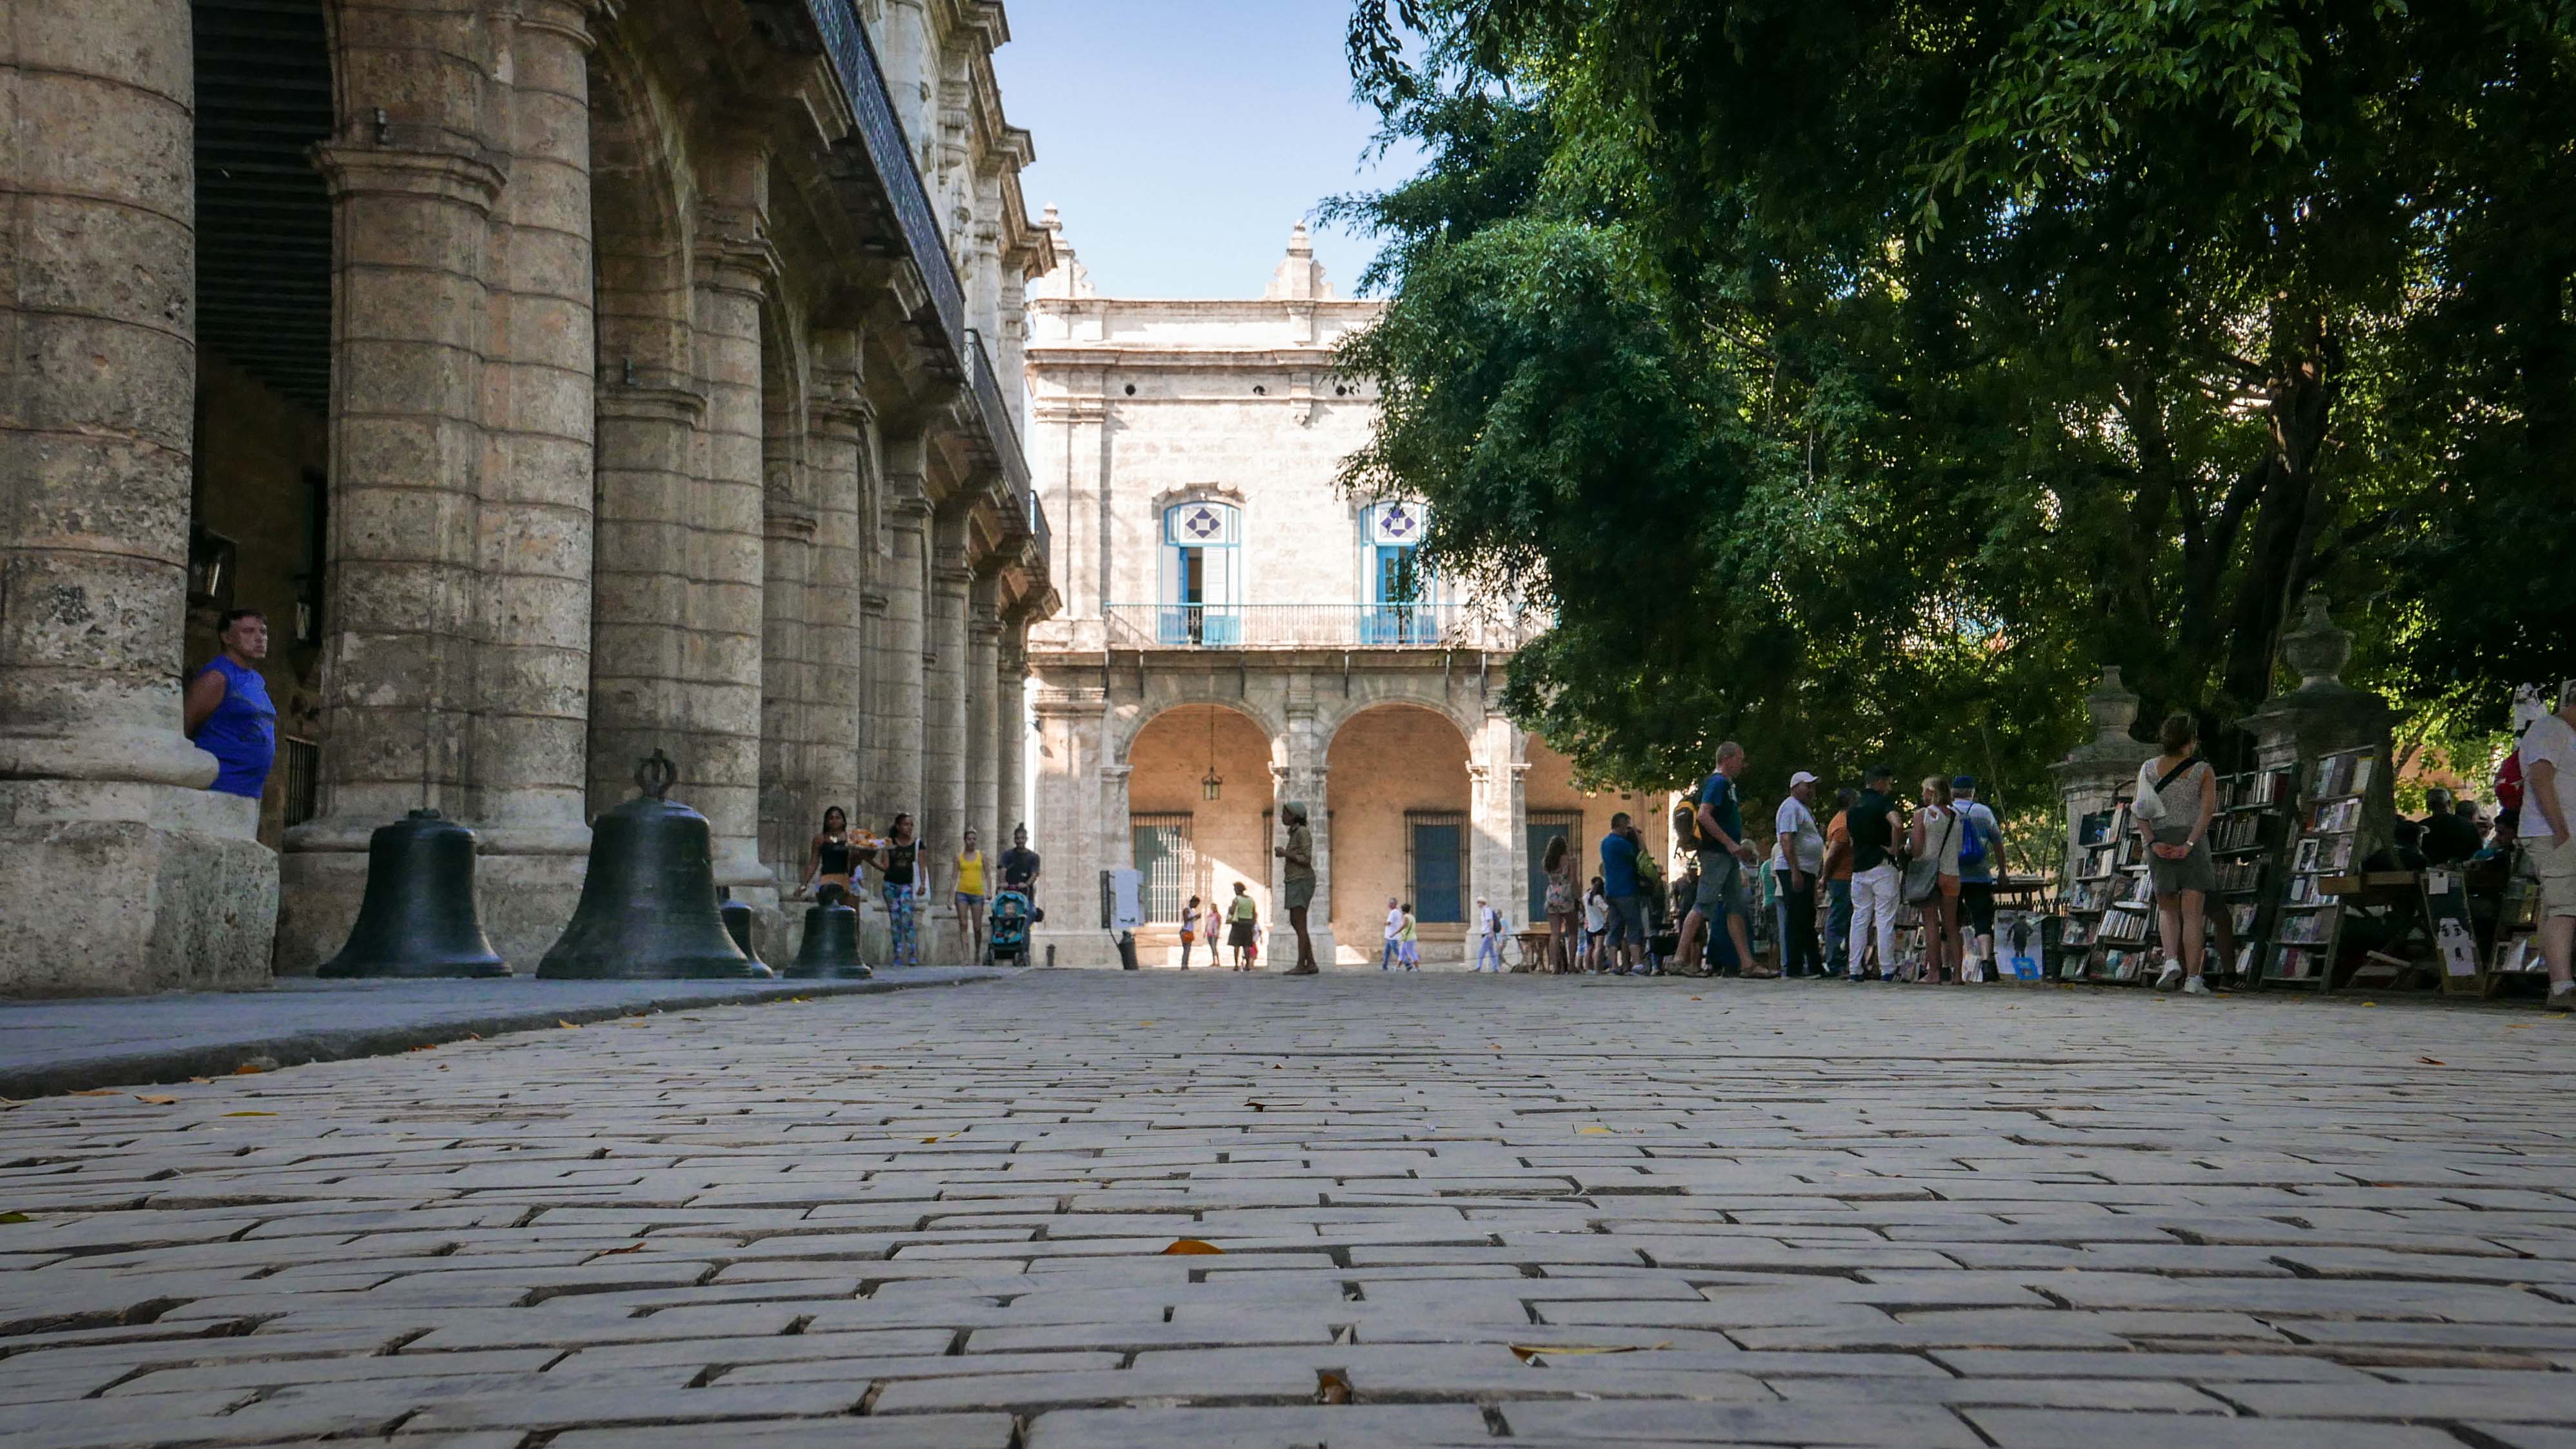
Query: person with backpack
1932	882
1489	936
1981	847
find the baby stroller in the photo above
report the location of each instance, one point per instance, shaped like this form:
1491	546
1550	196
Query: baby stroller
1006	935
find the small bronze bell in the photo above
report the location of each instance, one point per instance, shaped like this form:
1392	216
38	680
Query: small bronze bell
417	918
831	945
737	919
648	906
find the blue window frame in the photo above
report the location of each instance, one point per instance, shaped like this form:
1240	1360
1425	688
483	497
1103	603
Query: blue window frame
1436	842
1399	590
1202	574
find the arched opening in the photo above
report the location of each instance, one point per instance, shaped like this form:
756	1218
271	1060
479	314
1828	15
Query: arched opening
1397	796
259	489
1200	817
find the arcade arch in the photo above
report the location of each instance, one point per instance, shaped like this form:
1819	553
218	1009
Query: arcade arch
1399	804
1192	837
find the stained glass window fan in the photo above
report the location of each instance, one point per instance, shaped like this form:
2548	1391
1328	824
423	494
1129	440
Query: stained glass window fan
1202	574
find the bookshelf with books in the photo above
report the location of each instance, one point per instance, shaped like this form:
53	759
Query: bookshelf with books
2307	924
2245	843
2515	957
2110	928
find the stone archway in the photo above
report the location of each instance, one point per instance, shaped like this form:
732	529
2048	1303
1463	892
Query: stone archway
1400	807
1185	842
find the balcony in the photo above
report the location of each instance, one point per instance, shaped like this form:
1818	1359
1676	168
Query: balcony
905	201
1305	626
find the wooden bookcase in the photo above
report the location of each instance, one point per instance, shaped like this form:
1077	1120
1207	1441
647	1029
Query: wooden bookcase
2324	866
2245	841
2516	957
2110	928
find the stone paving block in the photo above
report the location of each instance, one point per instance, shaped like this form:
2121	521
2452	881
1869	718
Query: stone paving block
1777	1423
589	1406
2059	1428
1316	1427
913	1431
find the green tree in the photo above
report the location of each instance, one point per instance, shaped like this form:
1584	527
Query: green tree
1853	377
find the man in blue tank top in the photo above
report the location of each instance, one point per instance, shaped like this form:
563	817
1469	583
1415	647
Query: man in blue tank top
228	710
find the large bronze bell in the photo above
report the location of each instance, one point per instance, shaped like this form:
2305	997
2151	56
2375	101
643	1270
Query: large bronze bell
831	946
417	918
648	906
737	919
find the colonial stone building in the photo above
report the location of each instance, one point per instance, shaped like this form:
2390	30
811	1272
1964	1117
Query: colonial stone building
1237	633
565	379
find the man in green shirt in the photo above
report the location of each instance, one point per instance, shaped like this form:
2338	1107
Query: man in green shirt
1299	880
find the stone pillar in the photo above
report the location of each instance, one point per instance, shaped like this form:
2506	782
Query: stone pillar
1011	729
1071	826
786	687
644	581
412	210
1302	779
907	593
837	643
2092	775
983	774
943	749
118	871
719	754
877	799
1498	821
2325	716
531	728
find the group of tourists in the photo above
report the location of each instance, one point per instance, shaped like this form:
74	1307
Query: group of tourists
1850	869
834	857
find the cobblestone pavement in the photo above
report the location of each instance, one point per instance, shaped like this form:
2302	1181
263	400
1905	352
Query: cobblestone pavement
1450	1211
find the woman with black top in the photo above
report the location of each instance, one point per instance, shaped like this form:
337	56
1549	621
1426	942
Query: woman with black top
896	861
827	857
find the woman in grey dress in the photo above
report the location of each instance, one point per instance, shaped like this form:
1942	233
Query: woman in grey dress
2177	798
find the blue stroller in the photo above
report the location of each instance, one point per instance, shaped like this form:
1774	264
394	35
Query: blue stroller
1006	929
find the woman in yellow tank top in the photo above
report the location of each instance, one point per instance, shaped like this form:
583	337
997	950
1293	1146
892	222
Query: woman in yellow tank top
970	897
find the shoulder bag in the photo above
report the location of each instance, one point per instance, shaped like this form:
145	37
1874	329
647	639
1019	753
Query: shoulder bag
1923	877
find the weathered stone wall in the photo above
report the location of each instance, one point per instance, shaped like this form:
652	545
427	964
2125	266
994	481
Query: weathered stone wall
609	344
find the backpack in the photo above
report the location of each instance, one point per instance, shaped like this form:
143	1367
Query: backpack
2508	782
1972	851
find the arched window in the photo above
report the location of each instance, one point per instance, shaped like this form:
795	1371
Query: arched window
1399	604
1202	573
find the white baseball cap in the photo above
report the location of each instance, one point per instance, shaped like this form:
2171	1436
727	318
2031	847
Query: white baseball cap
1801	778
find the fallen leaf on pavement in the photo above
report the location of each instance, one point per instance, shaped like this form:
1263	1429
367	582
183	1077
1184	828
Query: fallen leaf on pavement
101	1092
1185	1247
568	1026
629	1248
1331	1388
15	1218
1593	1131
1528	1352
250	1114
157	1101
2433	1061
249	1069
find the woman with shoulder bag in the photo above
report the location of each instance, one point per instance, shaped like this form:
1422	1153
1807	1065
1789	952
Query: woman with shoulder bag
2176	800
1932	881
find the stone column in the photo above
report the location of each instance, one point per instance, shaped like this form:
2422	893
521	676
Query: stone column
118	871
1011	729
719	753
1302	779
943	750
837	643
2091	777
877	802
1497	820
643	582
907	590
412	210
2325	716
786	688
983	773
1071	826
532	676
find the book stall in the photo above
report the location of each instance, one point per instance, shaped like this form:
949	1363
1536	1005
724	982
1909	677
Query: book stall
2245	841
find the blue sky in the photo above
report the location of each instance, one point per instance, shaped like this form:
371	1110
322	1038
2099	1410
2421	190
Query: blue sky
1181	138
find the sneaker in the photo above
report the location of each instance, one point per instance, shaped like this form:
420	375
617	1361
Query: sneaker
2197	987
2170	977
2562	998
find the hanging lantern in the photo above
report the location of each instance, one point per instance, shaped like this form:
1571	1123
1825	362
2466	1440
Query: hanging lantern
1210	784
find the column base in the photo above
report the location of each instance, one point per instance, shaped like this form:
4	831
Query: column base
116	888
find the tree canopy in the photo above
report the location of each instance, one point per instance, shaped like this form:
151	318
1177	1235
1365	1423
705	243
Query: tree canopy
1855	379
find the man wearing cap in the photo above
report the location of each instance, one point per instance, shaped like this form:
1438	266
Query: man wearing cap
1980	851
1795	864
1298	879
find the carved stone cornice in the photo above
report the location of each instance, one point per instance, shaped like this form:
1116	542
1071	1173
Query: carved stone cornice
411	173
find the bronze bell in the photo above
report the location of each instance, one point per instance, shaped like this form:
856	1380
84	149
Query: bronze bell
417	918
831	945
737	919
648	906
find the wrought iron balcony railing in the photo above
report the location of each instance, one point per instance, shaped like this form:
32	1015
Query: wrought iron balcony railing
854	60
1303	626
